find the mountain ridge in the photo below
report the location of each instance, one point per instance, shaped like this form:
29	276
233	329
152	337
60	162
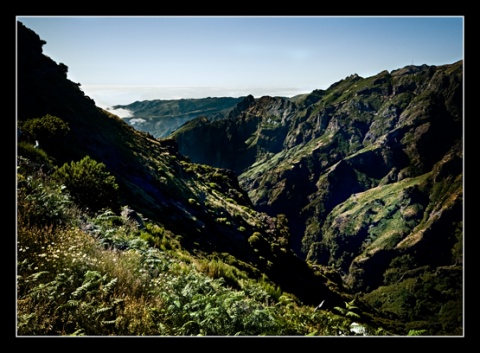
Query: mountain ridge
160	117
222	211
313	159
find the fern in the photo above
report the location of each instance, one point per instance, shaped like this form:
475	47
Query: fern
108	288
79	332
103	310
73	303
416	332
352	314
37	275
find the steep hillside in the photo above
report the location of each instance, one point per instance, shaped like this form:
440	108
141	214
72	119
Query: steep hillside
200	206
369	174
161	117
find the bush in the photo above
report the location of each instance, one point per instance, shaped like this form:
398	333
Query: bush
257	241
90	184
48	130
36	155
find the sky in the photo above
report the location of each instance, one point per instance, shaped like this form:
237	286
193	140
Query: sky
120	60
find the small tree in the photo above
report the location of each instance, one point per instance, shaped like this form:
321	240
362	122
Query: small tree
90	184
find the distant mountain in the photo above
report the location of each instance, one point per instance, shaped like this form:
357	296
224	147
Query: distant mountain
161	117
369	174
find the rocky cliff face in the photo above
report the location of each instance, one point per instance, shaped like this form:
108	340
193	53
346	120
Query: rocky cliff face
368	172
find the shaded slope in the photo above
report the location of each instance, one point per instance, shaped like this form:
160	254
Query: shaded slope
203	206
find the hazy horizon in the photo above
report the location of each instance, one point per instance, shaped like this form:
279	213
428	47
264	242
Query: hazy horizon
119	60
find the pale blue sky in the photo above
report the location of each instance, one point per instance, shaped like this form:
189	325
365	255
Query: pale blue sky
118	60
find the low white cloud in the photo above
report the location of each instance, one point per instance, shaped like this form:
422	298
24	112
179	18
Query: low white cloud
121	113
137	121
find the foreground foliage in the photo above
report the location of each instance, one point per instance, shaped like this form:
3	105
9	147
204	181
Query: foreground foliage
100	274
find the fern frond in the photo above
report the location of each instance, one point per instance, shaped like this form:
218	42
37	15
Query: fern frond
352	314
108	288
351	305
36	275
118	301
416	332
73	303
103	310
79	332
80	290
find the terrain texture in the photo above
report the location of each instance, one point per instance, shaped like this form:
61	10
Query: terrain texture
350	197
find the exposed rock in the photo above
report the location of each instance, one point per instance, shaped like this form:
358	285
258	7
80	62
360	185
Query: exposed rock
132	216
